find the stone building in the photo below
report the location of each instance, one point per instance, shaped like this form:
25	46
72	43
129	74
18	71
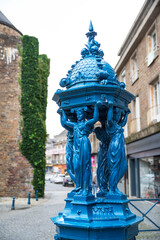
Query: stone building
15	171
139	68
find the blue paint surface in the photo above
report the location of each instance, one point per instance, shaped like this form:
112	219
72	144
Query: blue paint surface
93	93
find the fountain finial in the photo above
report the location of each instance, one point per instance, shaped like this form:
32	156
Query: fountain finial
91	27
91	34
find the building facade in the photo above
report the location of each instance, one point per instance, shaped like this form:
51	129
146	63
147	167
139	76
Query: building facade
49	153
56	153
16	172
139	68
59	153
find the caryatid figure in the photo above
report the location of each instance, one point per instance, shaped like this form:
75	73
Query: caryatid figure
82	147
103	165
69	147
116	119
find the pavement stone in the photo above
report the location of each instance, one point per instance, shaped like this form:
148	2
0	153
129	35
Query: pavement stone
33	222
30	222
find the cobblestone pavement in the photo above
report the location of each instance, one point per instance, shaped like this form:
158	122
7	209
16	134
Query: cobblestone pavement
33	222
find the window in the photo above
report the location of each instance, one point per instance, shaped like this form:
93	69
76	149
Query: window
137	113
61	158
126	130
151	46
49	160
123	79
150	177
155	101
57	159
64	158
135	123
134	68
123	76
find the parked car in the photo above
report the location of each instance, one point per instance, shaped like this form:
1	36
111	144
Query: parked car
67	181
59	178
48	176
53	178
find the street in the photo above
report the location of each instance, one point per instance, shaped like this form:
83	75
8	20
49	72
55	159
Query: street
33	222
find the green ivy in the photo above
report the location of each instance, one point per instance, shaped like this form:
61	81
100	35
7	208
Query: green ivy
34	75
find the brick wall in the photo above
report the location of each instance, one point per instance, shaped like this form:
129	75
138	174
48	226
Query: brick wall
15	171
146	75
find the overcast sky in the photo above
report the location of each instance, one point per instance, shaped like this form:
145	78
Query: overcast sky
61	25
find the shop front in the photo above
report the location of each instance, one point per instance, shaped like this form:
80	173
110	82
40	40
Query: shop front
144	167
59	168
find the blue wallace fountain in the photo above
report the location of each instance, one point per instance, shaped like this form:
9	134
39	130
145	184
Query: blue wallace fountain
93	94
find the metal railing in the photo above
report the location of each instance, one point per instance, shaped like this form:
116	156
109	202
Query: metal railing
145	214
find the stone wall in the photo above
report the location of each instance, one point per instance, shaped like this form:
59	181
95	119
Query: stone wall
15	171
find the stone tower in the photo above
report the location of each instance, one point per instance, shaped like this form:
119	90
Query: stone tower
15	170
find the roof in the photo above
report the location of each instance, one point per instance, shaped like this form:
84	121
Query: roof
5	21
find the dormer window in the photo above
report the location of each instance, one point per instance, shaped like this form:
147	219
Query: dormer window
151	46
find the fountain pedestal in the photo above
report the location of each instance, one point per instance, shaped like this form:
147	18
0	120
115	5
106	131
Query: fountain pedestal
93	218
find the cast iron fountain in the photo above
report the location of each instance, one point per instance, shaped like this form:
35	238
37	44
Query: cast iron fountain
93	93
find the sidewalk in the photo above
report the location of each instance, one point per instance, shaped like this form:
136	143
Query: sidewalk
31	222
154	215
20	203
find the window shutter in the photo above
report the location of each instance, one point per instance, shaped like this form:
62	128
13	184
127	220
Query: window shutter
149	44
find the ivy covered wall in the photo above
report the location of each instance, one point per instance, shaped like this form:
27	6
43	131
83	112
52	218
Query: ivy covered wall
34	75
